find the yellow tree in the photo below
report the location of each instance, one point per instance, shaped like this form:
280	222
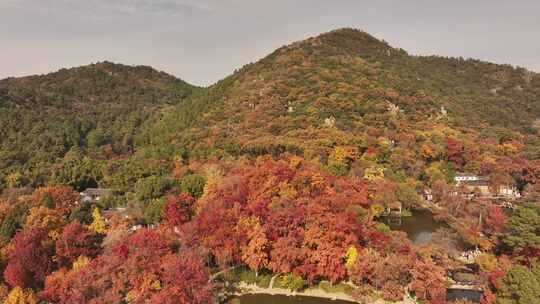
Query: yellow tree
19	296
350	257
4	291
14	180
374	173
487	262
80	263
47	219
345	153
213	175
434	173
98	223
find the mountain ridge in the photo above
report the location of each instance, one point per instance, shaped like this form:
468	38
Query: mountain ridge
353	78
88	80
341	88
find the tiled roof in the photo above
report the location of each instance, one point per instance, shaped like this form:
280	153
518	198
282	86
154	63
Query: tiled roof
476	183
96	191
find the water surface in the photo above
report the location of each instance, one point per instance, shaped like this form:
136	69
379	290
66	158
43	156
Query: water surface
463	294
419	227
280	299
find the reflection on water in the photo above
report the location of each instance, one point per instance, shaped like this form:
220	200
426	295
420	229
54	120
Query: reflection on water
463	294
419	227
280	299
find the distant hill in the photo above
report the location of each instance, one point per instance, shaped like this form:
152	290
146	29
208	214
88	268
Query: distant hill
90	88
87	108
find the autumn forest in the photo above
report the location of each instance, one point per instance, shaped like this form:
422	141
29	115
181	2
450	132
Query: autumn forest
123	184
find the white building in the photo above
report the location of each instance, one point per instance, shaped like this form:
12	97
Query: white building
464	177
480	185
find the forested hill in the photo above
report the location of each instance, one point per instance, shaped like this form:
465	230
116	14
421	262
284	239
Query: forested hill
344	88
93	109
474	92
352	82
89	88
284	172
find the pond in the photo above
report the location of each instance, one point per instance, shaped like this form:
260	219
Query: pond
463	294
419	227
280	299
452	295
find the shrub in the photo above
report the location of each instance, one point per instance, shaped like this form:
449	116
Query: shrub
263	280
383	228
153	211
337	168
291	282
193	184
248	276
12	222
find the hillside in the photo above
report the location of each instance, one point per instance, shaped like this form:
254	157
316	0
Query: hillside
342	88
292	170
352	82
88	108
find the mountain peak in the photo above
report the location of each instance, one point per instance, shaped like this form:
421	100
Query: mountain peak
346	40
96	83
350	35
346	82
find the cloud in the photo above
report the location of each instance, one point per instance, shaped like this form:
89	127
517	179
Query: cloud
111	7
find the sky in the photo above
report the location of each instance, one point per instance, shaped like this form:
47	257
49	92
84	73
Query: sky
202	41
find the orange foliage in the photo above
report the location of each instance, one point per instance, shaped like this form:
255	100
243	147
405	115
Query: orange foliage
62	198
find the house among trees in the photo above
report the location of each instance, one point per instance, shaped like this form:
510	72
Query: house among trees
464	177
427	194
509	191
94	194
395	208
480	186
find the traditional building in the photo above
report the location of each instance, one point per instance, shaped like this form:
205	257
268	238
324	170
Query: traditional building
509	191
395	208
464	177
94	194
427	194
480	186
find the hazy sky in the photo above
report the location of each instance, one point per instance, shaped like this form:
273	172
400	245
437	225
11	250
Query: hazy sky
201	41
